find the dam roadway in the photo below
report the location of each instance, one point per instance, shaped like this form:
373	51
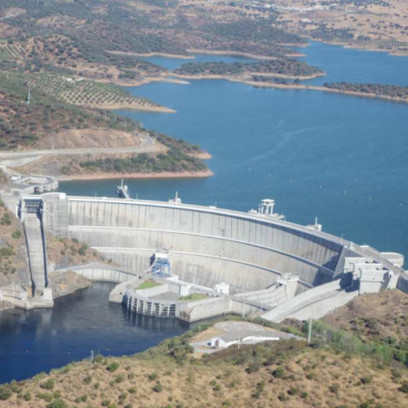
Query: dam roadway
207	245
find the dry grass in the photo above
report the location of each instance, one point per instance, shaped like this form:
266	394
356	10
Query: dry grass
374	316
309	378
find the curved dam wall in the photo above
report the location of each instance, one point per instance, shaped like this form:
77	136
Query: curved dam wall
207	245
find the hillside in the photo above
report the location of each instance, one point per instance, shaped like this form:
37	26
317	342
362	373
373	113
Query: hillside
357	358
13	266
284	374
380	317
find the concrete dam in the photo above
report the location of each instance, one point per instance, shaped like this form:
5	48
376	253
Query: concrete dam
271	267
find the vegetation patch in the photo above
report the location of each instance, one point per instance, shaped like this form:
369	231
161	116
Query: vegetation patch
193	297
287	67
148	285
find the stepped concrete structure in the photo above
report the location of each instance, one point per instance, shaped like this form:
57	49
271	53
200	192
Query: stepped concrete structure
271	267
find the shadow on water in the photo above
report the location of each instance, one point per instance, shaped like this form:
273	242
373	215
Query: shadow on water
39	340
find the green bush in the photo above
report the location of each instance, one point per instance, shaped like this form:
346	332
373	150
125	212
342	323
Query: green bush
82	250
98	358
16	234
119	379
334	388
112	367
367	379
88	379
58	403
157	387
152	376
48	385
46	396
279	372
5	393
404	387
282	396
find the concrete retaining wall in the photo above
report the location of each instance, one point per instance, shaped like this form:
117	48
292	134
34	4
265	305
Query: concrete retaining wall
208	245
305	299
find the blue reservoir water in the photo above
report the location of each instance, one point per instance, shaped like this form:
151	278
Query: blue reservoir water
346	64
337	157
38	340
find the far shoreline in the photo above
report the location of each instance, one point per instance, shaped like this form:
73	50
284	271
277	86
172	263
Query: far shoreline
304	87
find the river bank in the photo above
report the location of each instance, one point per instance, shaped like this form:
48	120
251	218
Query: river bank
243	54
267	84
131	106
244	78
158	175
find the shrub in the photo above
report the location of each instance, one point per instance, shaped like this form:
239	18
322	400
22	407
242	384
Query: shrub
254	366
58	403
88	379
82	250
367	379
5	393
132	390
98	358
48	385
112	367
404	387
16	234
293	391
334	388
119	379
279	372
14	386
152	376
157	387
282	396
46	396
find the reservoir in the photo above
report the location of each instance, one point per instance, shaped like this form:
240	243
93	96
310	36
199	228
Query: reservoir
337	157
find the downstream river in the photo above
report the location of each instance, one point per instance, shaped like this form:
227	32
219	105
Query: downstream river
340	158
38	340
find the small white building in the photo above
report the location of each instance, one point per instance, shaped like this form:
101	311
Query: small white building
222	288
